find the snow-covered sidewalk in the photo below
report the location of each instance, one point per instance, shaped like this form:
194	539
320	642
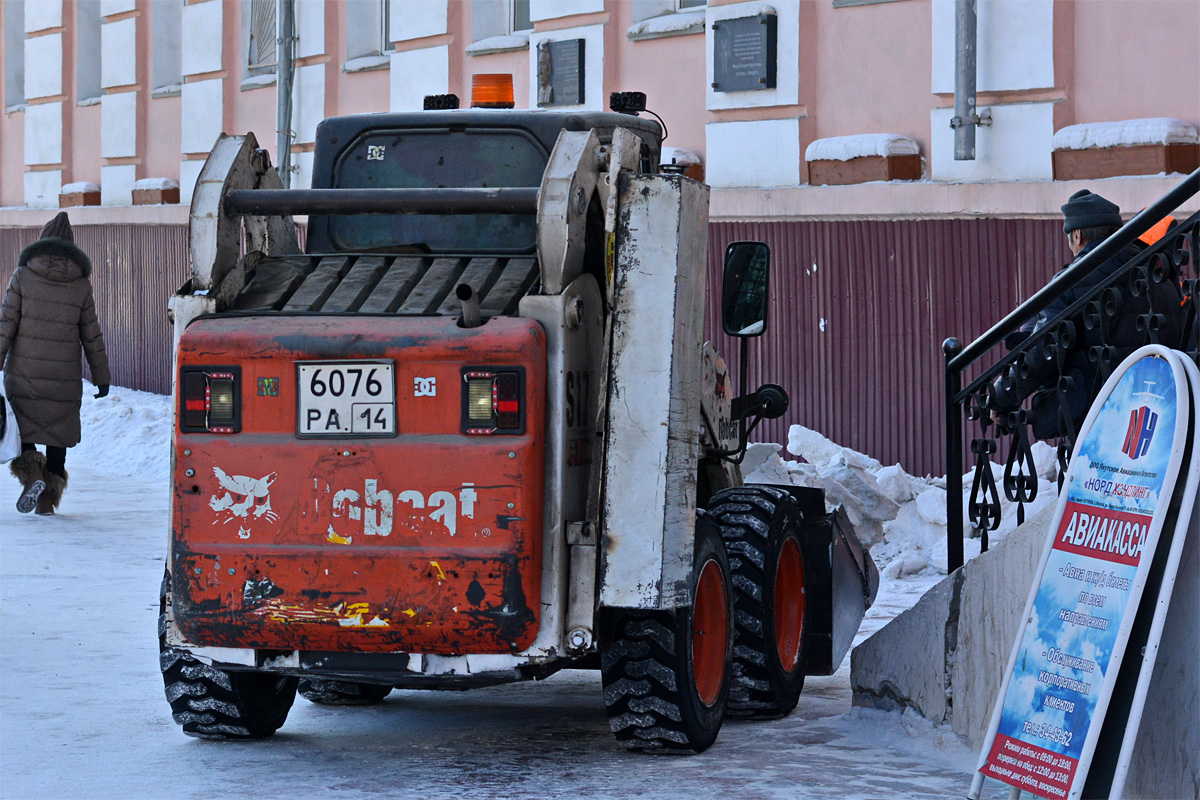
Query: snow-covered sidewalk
82	711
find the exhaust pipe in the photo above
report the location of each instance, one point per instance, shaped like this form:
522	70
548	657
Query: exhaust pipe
470	306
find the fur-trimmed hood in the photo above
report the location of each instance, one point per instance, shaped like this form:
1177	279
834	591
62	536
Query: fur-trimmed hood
54	246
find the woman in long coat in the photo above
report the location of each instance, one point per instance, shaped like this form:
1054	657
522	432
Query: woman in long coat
48	314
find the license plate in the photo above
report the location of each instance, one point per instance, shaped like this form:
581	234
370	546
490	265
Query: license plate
346	398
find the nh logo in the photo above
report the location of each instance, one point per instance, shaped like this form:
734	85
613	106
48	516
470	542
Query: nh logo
1141	429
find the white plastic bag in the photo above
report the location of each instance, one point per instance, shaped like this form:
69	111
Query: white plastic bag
10	435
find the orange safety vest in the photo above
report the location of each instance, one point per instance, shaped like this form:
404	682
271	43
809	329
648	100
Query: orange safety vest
1158	231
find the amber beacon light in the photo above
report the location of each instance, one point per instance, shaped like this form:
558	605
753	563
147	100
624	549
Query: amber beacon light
491	90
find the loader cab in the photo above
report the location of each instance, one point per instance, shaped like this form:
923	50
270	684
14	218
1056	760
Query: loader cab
474	148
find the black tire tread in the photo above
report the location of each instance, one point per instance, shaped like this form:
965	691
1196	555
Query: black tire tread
746	516
210	703
641	692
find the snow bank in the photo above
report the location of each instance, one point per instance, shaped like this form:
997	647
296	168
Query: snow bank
81	186
901	518
844	148
127	433
1126	133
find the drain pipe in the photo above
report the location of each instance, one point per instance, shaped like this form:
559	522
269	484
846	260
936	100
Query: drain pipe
965	41
470	306
285	58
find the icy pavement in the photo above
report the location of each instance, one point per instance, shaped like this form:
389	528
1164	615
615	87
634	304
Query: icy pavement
82	711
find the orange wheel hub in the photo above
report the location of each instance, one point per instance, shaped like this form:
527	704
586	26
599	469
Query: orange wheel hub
710	633
789	605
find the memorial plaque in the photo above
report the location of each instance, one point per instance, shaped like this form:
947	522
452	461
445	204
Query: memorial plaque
744	53
560	73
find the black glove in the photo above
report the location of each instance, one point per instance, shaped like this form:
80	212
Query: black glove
103	391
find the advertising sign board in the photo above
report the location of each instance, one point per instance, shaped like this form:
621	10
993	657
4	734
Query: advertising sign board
1094	568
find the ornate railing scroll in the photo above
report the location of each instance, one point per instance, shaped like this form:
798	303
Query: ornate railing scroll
1093	316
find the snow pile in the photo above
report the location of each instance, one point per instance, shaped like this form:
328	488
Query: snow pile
1126	133
844	148
901	518
80	187
127	433
667	25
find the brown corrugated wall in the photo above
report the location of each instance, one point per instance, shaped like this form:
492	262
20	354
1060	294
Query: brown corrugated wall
858	314
859	311
135	270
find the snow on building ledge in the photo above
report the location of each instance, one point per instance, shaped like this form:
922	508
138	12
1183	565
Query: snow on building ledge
499	44
690	163
666	25
1151	146
862	158
155	191
740	10
81	193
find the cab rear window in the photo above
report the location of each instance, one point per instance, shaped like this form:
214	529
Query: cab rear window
438	158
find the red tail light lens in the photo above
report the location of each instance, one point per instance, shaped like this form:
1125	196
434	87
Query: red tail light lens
493	401
209	399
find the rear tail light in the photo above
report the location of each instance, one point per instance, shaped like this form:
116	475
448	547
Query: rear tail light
209	400
493	401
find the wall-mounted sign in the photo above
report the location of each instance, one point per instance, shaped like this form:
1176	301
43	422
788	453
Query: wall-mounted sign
561	73
744	53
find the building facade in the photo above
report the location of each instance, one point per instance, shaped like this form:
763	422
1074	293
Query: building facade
822	126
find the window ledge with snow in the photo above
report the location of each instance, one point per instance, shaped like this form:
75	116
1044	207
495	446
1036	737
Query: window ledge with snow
171	90
866	157
685	162
1151	146
680	24
258	81
155	191
89	101
499	44
367	63
82	193
740	10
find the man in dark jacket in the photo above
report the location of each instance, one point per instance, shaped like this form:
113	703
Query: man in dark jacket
1089	220
48	314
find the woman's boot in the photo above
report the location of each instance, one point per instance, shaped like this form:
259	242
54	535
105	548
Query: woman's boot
52	496
28	469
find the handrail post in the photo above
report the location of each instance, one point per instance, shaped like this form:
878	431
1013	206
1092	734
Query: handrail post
954	472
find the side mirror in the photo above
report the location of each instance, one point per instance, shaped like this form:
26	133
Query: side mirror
744	289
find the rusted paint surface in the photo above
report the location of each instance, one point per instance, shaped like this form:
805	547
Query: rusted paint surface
427	542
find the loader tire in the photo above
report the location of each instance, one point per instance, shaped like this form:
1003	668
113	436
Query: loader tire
211	703
342	693
762	533
666	673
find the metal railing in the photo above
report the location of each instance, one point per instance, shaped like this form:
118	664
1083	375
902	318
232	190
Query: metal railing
1092	316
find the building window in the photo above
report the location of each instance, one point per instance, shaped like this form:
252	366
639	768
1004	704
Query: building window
688	5
87	52
258	27
167	75
498	26
14	56
385	27
519	20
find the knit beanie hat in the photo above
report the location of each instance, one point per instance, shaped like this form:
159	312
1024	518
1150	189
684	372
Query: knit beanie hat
58	228
1087	210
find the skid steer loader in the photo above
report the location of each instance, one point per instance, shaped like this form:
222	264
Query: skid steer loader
470	433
